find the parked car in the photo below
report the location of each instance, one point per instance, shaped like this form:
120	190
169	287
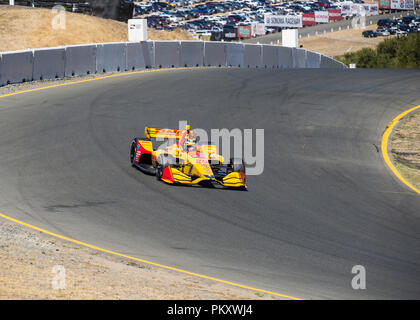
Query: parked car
393	29
401	33
369	34
409	19
383	32
384	22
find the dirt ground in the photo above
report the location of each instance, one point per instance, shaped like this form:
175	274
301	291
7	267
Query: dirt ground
24	27
35	265
338	43
405	148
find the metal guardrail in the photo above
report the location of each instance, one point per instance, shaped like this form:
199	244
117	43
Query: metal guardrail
59	62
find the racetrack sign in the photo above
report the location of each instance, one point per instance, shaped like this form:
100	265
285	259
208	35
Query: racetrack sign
384	4
373	9
230	35
355	9
409	5
244	32
334	14
284	21
402	4
321	17
308	19
260	29
346	9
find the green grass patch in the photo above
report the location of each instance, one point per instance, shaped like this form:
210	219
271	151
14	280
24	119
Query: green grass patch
402	53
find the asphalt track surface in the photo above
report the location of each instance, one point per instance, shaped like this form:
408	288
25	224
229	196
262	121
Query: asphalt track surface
325	202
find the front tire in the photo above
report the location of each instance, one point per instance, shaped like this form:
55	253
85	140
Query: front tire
162	162
133	149
133	153
238	165
159	172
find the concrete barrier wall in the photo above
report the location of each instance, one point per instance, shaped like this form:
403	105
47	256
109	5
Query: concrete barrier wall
80	60
148	48
16	67
111	57
327	62
135	56
234	54
270	56
313	59
167	54
253	56
285	56
299	58
50	63
192	54
214	54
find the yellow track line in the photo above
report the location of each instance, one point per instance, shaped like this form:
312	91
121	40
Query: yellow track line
113	252
93	79
144	261
384	147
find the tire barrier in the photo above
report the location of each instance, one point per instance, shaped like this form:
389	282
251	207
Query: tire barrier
51	63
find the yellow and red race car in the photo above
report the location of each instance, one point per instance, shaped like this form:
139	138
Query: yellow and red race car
181	160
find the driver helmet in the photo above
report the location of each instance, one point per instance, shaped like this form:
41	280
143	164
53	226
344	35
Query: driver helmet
190	142
191	148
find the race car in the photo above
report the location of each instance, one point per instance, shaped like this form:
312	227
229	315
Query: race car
181	160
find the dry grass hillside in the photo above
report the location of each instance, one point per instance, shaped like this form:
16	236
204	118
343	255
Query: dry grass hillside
341	42
24	27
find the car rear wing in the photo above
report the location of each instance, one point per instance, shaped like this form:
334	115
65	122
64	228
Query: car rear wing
162	133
